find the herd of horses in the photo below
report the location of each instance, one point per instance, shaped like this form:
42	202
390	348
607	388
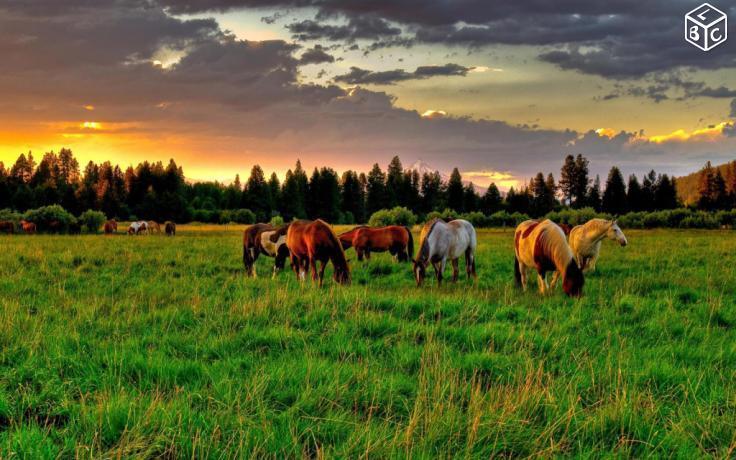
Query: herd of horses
142	227
542	246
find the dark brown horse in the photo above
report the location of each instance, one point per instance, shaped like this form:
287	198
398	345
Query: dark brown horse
252	245
395	239
346	239
170	228
314	241
111	226
28	227
7	226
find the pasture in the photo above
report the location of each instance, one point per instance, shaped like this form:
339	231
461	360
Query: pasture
147	346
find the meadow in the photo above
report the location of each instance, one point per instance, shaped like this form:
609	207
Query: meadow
151	346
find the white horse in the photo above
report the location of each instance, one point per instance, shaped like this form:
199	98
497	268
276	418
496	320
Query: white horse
585	240
273	244
136	228
440	241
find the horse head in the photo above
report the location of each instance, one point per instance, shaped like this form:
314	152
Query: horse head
573	280
341	275
420	271
614	233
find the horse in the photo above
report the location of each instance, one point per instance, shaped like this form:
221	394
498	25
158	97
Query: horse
542	245
315	241
28	227
273	244
395	239
566	229
586	239
346	238
7	226
252	246
153	226
440	241
111	226
170	228
136	228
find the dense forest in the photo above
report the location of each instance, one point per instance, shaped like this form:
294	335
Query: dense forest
160	192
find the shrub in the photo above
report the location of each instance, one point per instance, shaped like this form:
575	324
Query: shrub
52	218
92	220
478	219
244	216
206	216
277	221
395	216
9	214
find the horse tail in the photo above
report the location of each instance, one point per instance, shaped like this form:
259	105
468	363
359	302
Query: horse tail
338	244
410	243
517	271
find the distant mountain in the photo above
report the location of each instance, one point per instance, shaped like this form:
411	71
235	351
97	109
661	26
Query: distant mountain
423	167
687	186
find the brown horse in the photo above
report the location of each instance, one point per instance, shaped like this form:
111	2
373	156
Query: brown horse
315	241
346	239
153	226
7	226
111	226
170	228
395	239
28	227
252	245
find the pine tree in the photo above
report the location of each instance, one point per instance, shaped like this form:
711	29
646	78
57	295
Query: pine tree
665	196
706	188
614	197
274	190
491	201
455	191
594	194
395	183
543	198
470	198
431	192
233	195
567	180
376	198
648	184
256	196
720	196
353	204
634	197
580	182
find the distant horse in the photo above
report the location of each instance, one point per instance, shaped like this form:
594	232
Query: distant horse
252	246
395	239
170	228
586	239
315	241
153	226
7	226
346	238
111	226
273	244
542	245
136	228
28	227
440	241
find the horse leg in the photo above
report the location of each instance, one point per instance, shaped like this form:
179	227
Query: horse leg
455	270
470	264
591	263
313	267
523	271
542	283
360	254
367	254
322	272
555	277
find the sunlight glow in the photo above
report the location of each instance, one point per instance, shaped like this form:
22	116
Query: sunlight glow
711	133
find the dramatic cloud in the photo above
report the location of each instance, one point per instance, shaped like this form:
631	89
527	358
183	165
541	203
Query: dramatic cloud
316	55
356	28
358	76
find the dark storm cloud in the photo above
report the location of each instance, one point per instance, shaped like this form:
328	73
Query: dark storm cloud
316	55
356	28
358	76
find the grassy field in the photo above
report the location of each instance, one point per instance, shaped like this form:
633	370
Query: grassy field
153	346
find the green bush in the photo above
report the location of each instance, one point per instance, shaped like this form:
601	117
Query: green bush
244	216
395	216
92	220
277	221
9	214
52	218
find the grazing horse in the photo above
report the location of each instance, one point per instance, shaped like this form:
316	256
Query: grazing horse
315	241
153	226
111	226
346	239
395	239
273	244
136	228
252	246
7	226
586	239
542	246
170	228
28	227
440	241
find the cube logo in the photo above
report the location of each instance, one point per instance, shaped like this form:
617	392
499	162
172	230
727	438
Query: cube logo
706	27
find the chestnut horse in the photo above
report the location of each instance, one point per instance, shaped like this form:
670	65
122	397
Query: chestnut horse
170	228
395	239
111	226
153	226
543	246
346	239
252	246
7	226
28	227
314	241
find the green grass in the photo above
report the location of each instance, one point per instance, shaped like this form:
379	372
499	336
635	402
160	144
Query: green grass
155	346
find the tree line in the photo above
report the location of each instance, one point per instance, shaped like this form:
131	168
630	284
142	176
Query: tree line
152	190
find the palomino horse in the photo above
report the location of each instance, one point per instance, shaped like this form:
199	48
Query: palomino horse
440	241
395	239
136	228
273	244
153	226
315	241
28	227
346	239
111	226
7	226
170	228
542	246
586	239
252	246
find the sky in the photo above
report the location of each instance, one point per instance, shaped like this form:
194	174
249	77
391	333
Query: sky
499	89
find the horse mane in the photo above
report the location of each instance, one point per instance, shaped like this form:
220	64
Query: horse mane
410	243
278	233
423	244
